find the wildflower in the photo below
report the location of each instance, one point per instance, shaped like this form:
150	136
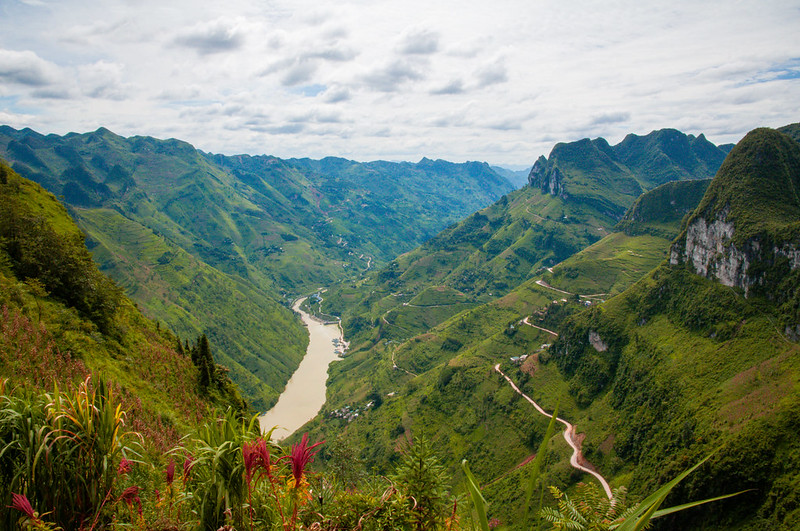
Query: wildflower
170	473
124	467
131	496
21	503
256	456
301	455
188	463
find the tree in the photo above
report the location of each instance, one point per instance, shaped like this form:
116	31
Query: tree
422	478
205	362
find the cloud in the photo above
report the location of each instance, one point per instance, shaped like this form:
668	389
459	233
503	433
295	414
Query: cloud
391	77
508	124
454	87
103	80
216	36
610	118
300	72
420	42
310	90
492	74
26	68
333	54
337	95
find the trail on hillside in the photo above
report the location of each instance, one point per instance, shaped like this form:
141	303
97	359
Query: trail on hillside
569	435
527	322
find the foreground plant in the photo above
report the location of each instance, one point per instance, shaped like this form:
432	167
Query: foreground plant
300	456
30	519
63	451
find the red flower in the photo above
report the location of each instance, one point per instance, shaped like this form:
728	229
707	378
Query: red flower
124	467
188	463
170	473
131	496
256	456
20	502
301	455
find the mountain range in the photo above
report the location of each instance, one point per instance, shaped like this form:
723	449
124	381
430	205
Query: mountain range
654	306
219	245
671	337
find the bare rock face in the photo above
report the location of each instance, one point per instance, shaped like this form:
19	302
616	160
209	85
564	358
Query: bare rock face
597	342
548	180
710	251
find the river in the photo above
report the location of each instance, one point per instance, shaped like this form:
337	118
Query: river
304	395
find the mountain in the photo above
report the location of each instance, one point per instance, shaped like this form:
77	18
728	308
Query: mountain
575	197
745	231
669	155
63	320
792	130
217	245
640	242
518	178
610	177
440	382
702	352
657	361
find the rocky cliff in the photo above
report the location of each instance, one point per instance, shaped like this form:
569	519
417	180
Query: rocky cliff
610	178
746	230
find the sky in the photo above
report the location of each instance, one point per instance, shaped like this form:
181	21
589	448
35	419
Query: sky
500	81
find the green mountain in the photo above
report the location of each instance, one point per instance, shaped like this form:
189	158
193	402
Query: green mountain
640	242
669	155
214	244
63	320
440	382
702	353
518	178
676	365
611	177
575	197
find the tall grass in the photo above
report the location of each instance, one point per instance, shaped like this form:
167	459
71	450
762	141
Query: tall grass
62	451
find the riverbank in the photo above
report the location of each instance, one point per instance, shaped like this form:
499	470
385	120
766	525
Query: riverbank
304	395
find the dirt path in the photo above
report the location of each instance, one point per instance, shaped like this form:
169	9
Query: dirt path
525	321
577	460
544	284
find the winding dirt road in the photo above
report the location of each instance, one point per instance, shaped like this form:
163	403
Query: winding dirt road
569	436
527	322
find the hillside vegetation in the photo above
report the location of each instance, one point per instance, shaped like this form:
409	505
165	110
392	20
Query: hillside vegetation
574	198
63	320
672	367
219	245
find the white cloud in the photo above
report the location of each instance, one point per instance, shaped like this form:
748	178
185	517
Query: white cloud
420	42
26	68
216	36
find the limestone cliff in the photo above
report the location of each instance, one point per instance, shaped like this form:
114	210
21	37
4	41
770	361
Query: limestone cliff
746	231
548	180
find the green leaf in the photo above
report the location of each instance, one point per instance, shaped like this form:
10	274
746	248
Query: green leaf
648	508
477	498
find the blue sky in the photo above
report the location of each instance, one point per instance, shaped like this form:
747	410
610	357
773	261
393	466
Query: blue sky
498	81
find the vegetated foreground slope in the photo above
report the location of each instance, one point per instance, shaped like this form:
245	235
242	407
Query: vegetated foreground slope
63	320
214	244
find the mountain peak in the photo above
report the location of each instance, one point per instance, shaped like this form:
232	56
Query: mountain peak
747	223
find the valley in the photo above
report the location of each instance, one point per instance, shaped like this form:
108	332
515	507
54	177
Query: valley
658	315
318	265
304	395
